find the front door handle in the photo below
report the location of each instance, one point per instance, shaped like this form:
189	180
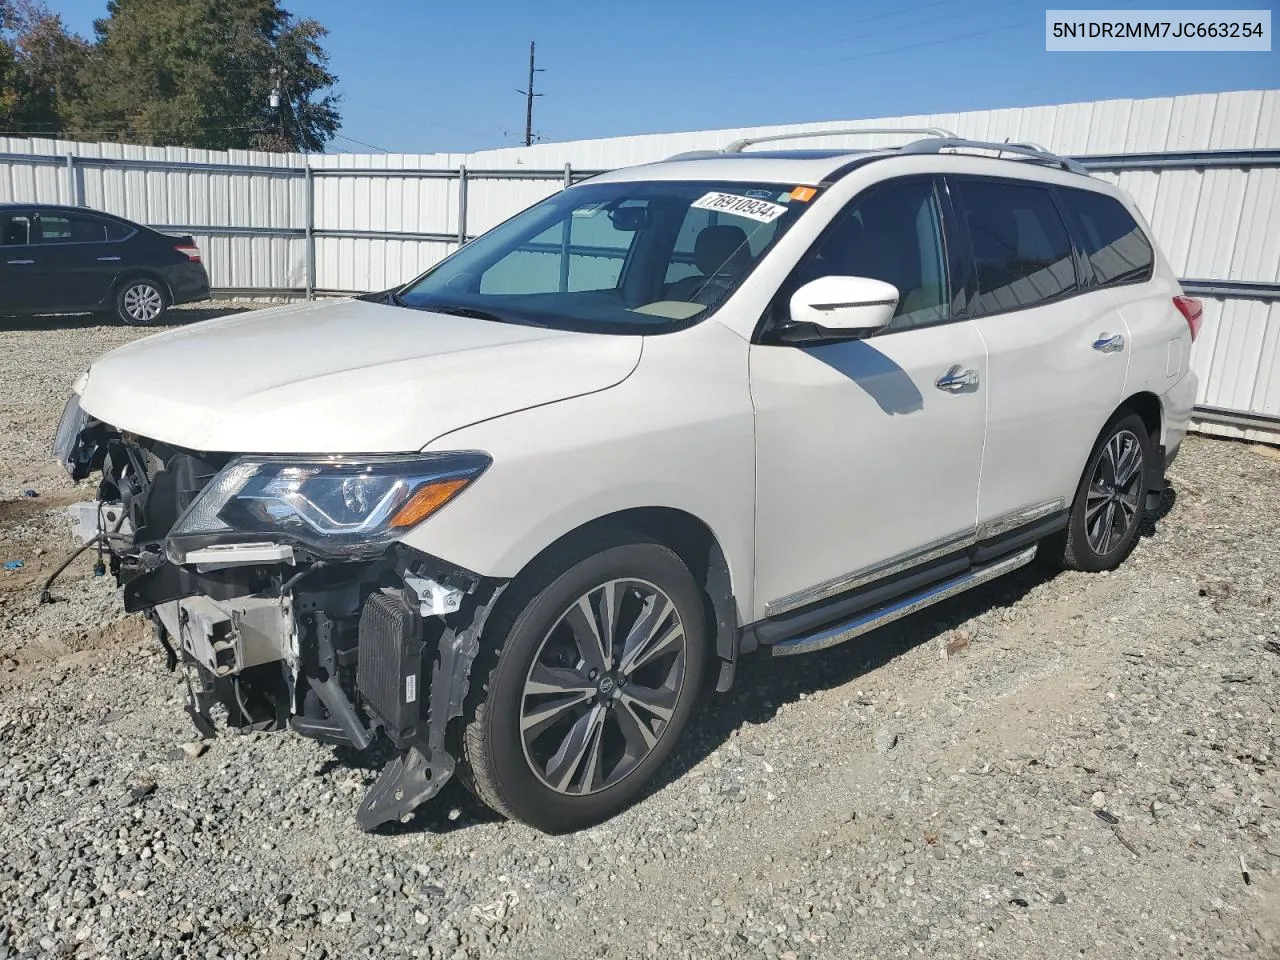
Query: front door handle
11	262
1108	343
957	379
106	259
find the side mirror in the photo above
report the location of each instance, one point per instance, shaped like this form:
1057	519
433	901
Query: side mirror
840	308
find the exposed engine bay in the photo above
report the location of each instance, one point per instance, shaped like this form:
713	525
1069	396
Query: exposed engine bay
270	633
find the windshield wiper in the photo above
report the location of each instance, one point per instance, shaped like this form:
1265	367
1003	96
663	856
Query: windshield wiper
475	313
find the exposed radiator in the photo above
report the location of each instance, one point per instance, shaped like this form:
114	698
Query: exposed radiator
390	671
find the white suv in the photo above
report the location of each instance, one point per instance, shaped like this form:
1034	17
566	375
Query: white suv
520	514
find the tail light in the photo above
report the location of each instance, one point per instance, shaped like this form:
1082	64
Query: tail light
190	251
1193	311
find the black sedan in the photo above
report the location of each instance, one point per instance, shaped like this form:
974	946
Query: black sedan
74	260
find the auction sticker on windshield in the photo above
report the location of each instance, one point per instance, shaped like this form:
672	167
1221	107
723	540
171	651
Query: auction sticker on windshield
761	210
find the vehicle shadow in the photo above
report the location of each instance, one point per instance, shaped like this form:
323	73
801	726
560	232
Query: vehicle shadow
177	317
763	686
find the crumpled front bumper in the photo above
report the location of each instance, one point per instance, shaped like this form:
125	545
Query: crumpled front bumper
343	655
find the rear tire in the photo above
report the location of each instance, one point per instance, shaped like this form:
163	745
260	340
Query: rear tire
141	302
1109	506
563	732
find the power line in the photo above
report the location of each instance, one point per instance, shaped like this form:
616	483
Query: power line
113	131
343	136
880	31
880	16
884	51
397	112
913	46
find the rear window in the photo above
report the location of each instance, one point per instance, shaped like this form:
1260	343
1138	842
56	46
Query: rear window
117	230
1112	241
1021	249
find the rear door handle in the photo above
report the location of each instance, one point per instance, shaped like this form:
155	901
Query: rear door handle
1108	343
11	262
957	379
106	259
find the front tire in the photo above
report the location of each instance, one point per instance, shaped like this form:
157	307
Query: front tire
1109	505
597	669
141	302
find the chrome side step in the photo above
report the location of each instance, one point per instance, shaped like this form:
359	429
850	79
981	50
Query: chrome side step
866	622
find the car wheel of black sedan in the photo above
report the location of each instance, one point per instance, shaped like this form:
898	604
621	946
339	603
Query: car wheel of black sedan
141	302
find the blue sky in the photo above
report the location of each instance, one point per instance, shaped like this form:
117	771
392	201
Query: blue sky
422	77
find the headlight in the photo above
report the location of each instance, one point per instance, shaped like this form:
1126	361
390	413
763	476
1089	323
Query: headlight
336	506
68	434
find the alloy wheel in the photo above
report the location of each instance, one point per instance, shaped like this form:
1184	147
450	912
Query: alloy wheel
142	302
603	686
1115	492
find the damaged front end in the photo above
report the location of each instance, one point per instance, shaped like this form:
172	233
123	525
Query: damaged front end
279	586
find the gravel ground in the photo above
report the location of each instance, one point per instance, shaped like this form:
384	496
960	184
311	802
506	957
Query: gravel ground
1083	766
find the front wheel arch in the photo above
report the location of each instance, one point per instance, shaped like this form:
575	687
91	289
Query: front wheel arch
697	547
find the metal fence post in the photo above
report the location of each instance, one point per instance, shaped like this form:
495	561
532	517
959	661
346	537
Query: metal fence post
462	205
310	241
73	182
568	176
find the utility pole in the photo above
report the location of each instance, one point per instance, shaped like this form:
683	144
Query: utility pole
276	101
529	95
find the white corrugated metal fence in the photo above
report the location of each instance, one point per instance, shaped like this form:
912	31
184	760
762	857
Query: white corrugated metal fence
1205	170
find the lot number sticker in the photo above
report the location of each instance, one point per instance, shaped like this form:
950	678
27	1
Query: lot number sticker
761	210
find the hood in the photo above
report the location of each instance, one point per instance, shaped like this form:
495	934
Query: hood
342	376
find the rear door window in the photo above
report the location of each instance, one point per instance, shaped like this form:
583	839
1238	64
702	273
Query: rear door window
1113	243
117	230
1022	254
71	228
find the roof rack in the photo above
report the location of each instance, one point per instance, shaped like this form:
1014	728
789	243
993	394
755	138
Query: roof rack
738	145
938	144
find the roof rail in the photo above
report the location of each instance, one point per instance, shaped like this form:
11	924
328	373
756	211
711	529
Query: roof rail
738	145
693	155
938	144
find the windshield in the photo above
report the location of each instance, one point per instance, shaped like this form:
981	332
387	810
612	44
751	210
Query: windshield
638	257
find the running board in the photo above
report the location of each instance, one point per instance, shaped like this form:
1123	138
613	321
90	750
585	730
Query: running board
866	622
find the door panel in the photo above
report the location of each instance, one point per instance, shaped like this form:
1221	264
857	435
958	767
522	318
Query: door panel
1057	357
860	457
76	265
1049	394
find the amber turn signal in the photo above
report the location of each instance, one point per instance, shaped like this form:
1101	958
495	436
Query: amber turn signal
427	501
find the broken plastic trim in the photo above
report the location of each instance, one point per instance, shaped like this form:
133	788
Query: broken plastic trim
420	771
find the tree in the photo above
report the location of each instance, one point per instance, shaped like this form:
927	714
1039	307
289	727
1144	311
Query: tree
200	73
8	71
40	64
303	122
